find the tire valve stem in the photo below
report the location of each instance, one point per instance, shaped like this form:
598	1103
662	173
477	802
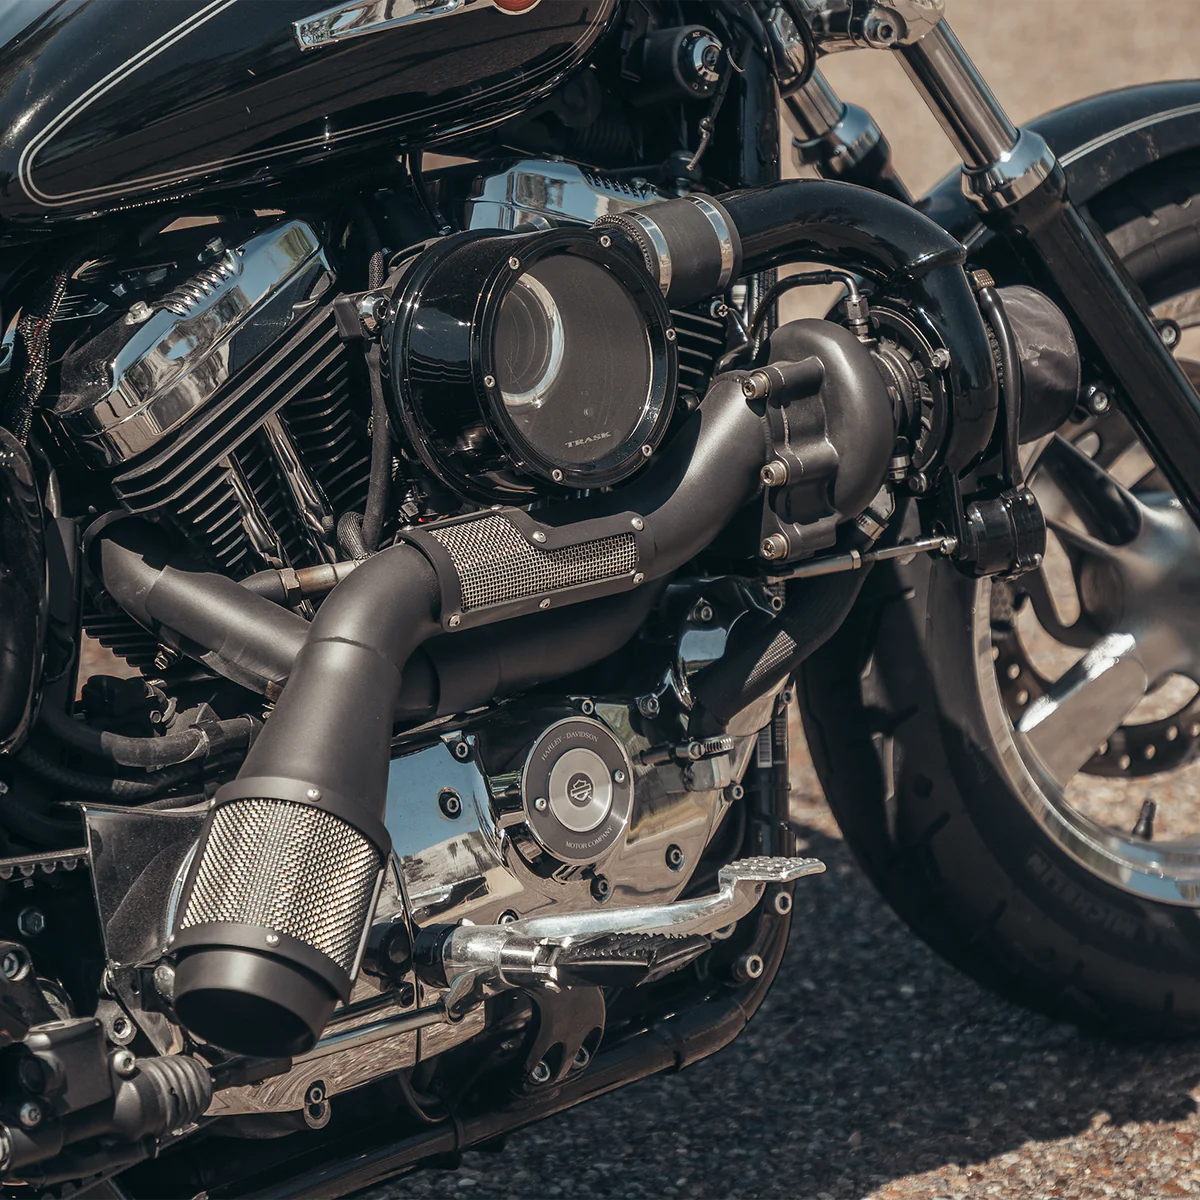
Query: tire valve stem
1144	827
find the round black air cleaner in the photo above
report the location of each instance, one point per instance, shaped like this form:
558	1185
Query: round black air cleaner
523	360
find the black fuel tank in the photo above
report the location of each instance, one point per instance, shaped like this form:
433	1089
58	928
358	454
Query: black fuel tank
104	103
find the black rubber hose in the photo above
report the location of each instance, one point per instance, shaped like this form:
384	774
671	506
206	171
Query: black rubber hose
102	785
149	752
992	308
349	535
760	662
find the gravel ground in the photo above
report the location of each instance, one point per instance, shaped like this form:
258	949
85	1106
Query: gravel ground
874	1070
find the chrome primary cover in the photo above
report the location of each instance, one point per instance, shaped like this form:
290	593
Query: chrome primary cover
147	373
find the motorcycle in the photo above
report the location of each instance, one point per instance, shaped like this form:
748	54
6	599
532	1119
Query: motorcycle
468	526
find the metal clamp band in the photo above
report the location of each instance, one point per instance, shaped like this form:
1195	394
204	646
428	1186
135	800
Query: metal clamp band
716	218
660	264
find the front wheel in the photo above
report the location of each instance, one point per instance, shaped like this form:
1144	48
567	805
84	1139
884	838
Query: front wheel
1017	766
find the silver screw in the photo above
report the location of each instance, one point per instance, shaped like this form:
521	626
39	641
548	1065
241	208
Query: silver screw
638	523
313	793
540	1074
515	263
670	335
540	804
775	473
124	1062
214	245
13	965
139	311
775	546
3	788
587	707
783	903
1098	402
272	939
648	706
538	536
940	359
606	241
618	776
31	1114
1169	333
164	981
638	577
647	451
880	30
557	475
454	621
544	603
31	921
489	381
749	966
462	751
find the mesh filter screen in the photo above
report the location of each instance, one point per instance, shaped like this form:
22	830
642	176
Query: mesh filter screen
496	564
289	868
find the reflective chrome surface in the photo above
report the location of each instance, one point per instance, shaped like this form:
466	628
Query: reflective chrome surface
854	24
548	194
813	110
716	219
960	98
144	375
315	516
362	17
1013	176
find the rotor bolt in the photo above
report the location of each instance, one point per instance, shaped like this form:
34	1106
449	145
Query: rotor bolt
540	1073
124	1062
31	1114
31	921
748	967
773	547
775	473
450	803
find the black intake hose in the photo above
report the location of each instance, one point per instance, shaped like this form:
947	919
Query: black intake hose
819	220
283	885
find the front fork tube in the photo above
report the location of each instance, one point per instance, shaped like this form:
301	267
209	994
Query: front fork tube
1014	179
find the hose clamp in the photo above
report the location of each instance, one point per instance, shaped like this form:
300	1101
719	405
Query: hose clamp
716	218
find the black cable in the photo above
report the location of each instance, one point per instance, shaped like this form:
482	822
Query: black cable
349	535
412	164
805	279
104	786
796	12
992	308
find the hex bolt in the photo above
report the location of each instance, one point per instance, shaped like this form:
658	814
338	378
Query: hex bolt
450	802
782	903
462	750
918	484
724	933
647	450
748	967
540	1073
14	965
272	939
675	857
939	360
31	1114
774	546
775	473
31	921
124	1062
601	889
1169	333
406	995
544	604
648	706
638	577
316	1116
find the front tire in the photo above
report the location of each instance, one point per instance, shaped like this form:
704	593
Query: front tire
915	749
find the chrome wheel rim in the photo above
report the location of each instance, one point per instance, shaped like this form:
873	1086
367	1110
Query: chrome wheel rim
1132	558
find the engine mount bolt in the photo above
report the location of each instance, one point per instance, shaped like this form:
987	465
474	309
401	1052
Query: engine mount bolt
31	1114
774	546
703	612
782	903
489	381
648	706
31	921
638	523
515	263
540	1073
749	966
124	1062
313	794
540	804
601	889
939	360
462	750
450	802
775	473
14	965
675	857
